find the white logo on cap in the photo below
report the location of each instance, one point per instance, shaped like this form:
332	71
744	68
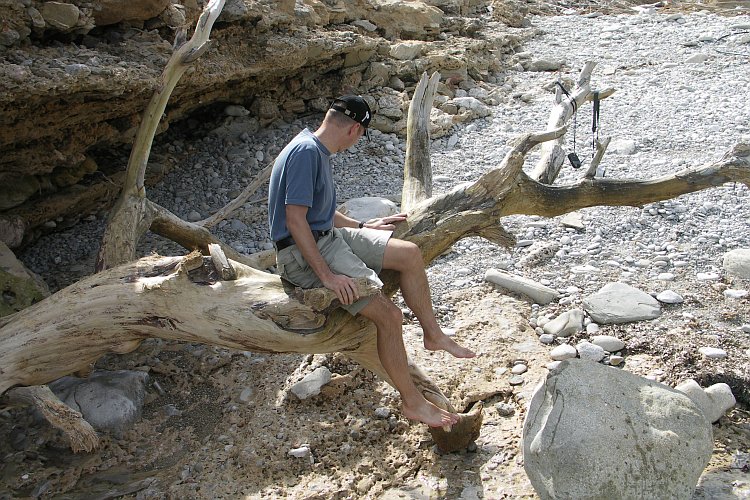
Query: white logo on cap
367	115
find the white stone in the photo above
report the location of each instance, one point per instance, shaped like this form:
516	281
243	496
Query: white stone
707	276
368	207
573	220
731	293
713	352
592	352
622	146
608	342
621	303
406	51
615	360
562	352
697	58
301	452
519	284
236	110
594	431
737	263
714	400
312	383
669	297
546	338
566	324
519	369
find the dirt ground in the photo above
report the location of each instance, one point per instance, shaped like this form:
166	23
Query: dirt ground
201	437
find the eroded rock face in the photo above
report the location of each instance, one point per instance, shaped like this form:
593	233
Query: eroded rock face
60	103
113	11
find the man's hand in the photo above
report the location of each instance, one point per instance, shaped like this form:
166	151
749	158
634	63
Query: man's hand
344	287
386	223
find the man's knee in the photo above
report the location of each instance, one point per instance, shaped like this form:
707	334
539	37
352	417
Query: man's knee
383	312
407	255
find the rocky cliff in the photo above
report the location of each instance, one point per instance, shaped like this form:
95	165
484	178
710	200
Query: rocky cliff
75	76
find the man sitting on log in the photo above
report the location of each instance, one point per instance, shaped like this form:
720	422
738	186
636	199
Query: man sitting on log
318	246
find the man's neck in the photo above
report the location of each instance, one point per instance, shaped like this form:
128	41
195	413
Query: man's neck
329	137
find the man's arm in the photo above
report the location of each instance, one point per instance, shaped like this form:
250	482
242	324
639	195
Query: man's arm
385	223
296	222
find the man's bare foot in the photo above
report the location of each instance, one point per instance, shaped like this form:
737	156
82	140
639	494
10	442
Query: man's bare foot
442	342
429	414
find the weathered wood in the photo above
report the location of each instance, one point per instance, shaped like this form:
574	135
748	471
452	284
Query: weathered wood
131	216
601	148
553	156
223	266
417	167
82	436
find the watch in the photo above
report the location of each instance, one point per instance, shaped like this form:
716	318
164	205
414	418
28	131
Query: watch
361	224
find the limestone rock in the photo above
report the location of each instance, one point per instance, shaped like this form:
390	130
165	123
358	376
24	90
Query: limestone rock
109	401
368	207
19	287
406	51
63	16
113	11
311	384
737	263
566	324
608	342
539	293
583	409
714	401
621	303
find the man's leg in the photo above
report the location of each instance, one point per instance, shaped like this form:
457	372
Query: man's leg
405	257
387	318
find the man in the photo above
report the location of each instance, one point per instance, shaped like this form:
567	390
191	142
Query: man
318	246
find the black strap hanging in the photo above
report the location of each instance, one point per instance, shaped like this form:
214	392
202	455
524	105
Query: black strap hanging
575	162
595	123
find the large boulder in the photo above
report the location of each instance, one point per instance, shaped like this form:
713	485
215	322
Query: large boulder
737	262
594	431
621	303
19	287
368	207
109	401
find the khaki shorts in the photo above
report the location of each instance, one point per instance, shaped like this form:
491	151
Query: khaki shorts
357	253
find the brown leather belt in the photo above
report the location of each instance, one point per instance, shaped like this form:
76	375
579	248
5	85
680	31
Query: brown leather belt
289	241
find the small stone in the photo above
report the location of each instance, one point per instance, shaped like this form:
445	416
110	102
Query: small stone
505	409
608	343
615	360
382	412
713	352
697	59
707	276
246	394
546	338
77	70
735	294
519	369
669	297
562	352
301	452
592	352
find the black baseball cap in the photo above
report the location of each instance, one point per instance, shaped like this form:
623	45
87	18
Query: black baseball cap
355	107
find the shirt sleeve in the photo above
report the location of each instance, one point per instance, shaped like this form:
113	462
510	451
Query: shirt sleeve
301	172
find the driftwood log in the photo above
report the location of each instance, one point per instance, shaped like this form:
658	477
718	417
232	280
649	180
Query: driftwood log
216	296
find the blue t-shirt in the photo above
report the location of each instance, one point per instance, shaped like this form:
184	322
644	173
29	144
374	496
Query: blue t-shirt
302	175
